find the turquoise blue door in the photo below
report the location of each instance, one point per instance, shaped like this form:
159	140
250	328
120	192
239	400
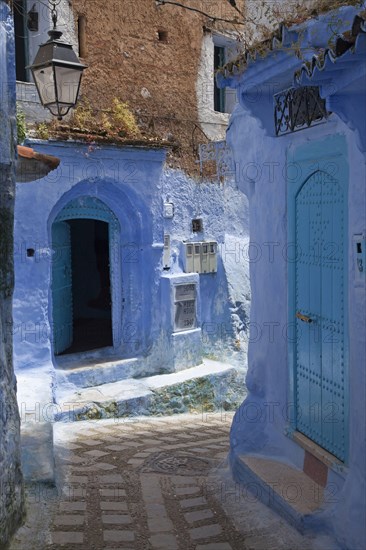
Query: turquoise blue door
84	207
319	309
61	287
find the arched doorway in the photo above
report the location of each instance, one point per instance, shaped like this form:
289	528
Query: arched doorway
85	277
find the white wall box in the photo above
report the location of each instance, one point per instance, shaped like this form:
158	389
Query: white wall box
188	257
166	254
168	210
213	257
200	257
197	268
205	265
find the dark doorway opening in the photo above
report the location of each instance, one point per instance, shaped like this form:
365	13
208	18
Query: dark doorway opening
91	288
20	32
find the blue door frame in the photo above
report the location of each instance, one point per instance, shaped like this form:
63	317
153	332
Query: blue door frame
85	207
317	281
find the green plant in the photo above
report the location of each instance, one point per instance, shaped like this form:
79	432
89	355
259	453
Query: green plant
83	116
116	121
123	119
43	131
105	123
21	126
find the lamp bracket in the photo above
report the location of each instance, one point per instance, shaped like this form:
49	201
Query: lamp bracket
54	4
54	34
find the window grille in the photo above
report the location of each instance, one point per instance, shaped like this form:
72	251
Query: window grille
297	109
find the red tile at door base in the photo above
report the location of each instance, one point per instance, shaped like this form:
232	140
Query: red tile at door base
315	469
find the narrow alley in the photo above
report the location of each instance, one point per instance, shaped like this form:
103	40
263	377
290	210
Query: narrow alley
150	483
183	275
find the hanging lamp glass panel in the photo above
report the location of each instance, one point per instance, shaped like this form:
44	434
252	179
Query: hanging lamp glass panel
57	74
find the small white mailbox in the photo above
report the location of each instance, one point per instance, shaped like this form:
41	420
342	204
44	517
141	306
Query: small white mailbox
181	320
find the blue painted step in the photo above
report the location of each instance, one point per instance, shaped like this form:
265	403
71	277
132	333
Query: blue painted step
96	373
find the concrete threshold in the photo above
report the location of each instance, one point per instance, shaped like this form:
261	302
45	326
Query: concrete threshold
284	488
96	371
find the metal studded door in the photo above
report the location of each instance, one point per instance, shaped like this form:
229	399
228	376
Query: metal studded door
61	287
319	310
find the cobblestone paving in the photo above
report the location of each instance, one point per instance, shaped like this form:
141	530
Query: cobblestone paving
147	484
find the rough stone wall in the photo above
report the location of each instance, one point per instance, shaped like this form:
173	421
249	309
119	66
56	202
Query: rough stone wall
157	78
11	494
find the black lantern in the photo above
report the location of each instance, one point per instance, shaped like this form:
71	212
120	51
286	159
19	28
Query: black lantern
57	72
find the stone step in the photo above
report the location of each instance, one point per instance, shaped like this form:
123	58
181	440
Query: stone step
207	387
37	452
95	372
36	410
288	490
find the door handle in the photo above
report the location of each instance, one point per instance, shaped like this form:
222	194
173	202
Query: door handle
304	318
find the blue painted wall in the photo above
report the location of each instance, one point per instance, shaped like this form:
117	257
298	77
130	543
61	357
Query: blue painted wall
134	184
263	424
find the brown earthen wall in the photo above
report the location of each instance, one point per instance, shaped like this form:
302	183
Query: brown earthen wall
125	57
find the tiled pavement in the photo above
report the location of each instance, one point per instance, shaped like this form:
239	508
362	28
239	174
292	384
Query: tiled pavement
148	484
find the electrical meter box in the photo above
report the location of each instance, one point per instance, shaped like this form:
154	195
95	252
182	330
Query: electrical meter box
188	257
212	253
200	257
205	263
197	257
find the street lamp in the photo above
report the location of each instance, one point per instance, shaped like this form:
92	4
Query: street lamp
57	72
